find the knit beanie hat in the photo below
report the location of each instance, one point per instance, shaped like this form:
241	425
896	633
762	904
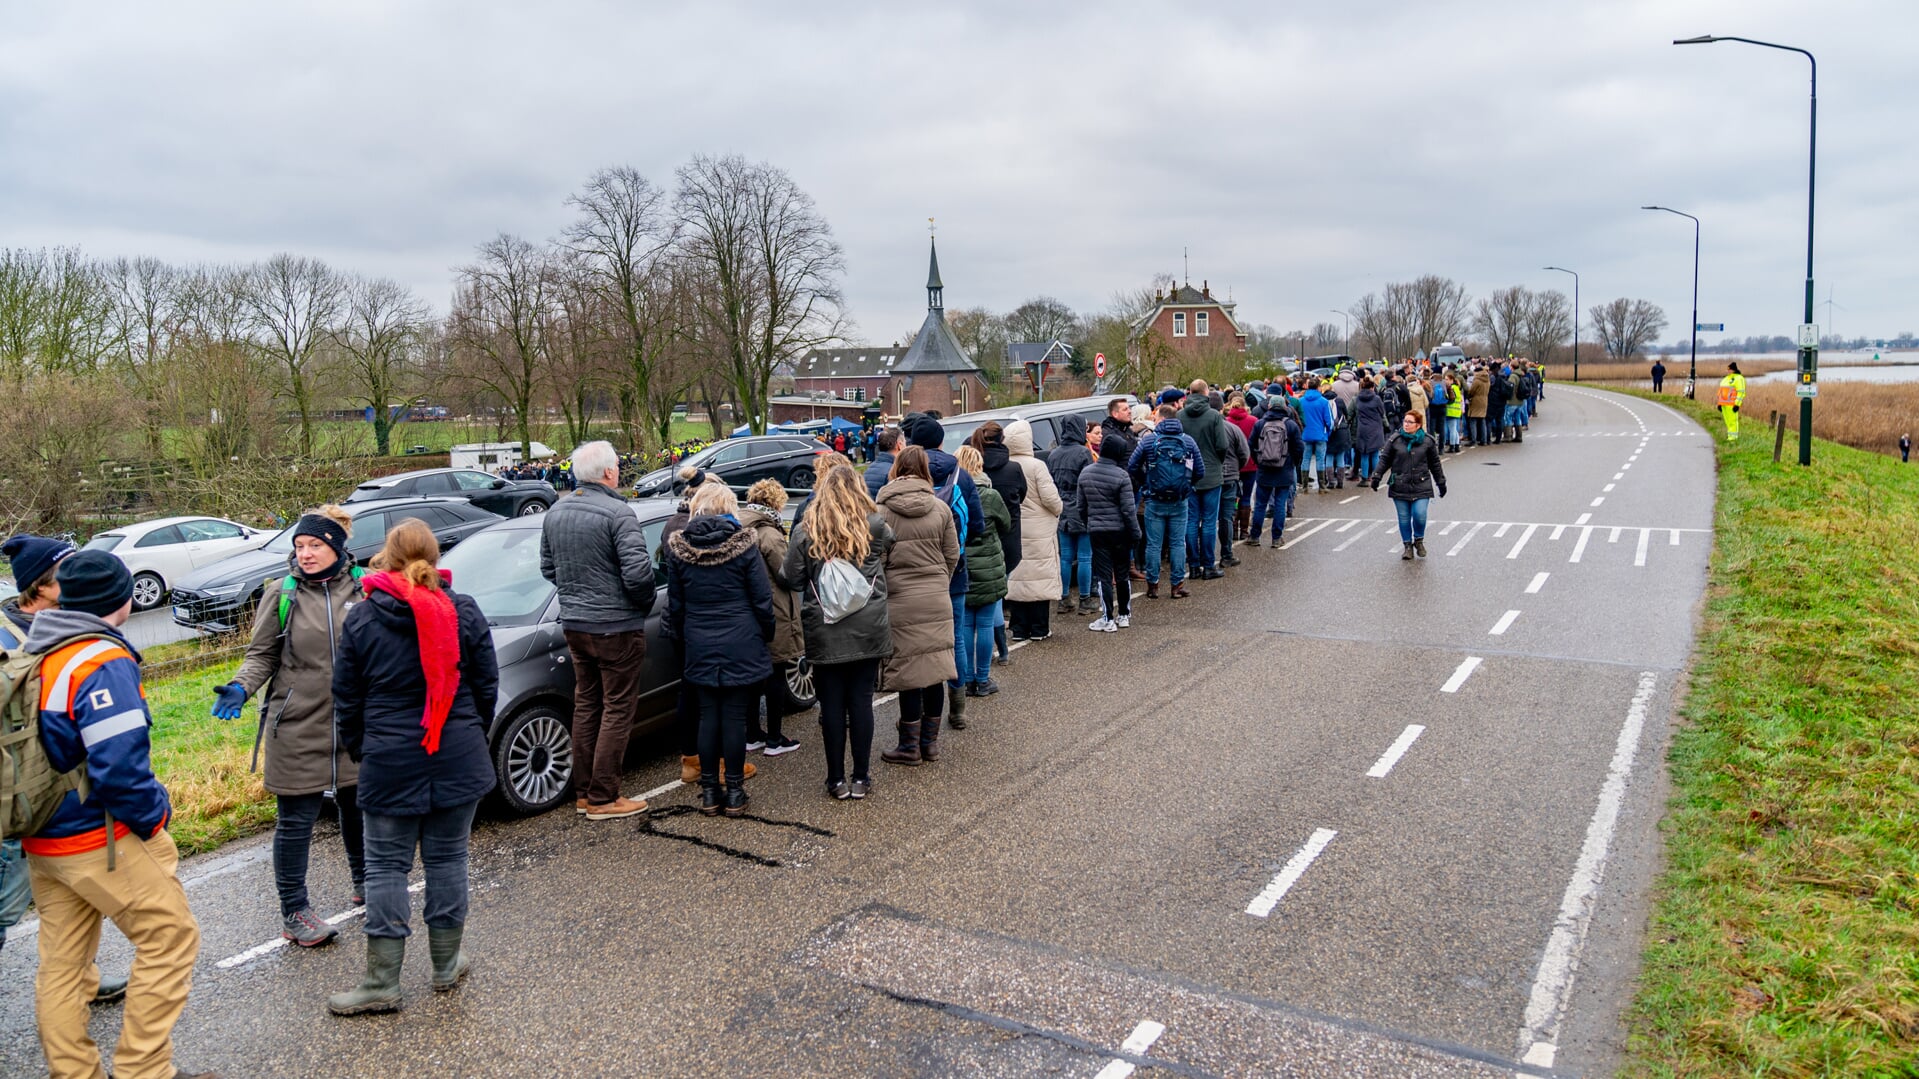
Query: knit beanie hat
323	528
94	582
32	556
923	431
1113	448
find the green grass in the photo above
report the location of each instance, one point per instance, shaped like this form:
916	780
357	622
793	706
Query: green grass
1784	939
203	762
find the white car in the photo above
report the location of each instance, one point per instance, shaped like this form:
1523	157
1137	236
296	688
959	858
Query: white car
161	552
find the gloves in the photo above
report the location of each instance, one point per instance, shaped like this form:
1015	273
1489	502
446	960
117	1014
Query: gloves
1375	483
1735	410
1442	490
227	700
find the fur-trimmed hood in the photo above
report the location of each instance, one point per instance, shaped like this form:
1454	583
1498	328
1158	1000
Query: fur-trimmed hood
709	541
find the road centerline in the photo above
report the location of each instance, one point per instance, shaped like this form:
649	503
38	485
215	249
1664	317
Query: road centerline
1464	671
1382	767
1505	623
1136	1044
1289	874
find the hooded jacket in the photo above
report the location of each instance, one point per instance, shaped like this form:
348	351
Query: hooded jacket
986	551
864	634
379	698
1239	416
1142	453
304	754
1369	411
925	432
1316	414
1207	428
1345	386
1477	391
592	550
924	554
1065	463
1103	501
1034	575
719	603
789	640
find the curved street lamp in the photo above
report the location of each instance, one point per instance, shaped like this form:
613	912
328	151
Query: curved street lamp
1349	329
1692	374
1562	269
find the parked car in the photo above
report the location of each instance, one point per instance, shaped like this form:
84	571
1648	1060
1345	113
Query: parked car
742	461
160	552
1447	353
507	498
1044	418
531	732
220	598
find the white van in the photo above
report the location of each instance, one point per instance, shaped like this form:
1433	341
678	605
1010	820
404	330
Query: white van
490	456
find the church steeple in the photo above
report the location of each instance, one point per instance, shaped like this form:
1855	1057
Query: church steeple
934	299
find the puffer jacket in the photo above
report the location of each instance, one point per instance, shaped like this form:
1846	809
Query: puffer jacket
1345	386
1105	496
303	750
919	567
1006	478
719	603
864	634
1417	399
986	551
1207	429
1242	418
379	696
592	549
1415	467
1339	438
1317	416
1369	409
1476	393
1123	431
1035	574
789	639
1065	463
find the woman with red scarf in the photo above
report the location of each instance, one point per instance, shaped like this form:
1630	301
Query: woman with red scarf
413	685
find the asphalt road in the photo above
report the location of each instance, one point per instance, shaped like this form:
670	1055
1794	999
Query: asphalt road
156	626
1213	844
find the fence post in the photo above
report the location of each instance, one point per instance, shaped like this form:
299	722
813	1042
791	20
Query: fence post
1772	419
1778	438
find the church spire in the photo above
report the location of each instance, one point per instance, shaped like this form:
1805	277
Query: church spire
934	299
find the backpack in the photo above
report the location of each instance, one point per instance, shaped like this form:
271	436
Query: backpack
31	790
1272	451
842	589
955	498
289	586
1169	470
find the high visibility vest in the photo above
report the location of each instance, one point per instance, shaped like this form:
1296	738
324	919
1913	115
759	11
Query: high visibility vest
1732	390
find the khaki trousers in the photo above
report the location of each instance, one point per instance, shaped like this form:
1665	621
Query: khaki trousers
144	899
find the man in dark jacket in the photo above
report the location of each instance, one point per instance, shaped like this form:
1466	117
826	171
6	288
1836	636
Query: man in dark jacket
593	551
1065	463
1273	486
1102	508
1207	428
1166	504
1119	422
1498	396
888	441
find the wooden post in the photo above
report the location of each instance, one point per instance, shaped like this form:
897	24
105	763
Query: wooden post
1773	420
1778	438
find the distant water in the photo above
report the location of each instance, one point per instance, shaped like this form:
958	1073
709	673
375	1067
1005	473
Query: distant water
1831	370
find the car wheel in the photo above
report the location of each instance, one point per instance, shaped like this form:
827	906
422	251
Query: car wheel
534	759
531	507
800	479
148	591
800	694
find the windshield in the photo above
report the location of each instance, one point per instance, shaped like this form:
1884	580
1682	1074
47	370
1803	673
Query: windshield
500	569
282	543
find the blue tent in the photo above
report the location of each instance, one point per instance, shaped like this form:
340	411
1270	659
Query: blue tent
841	424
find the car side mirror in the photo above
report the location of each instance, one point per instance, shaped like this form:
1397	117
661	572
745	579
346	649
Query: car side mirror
499	484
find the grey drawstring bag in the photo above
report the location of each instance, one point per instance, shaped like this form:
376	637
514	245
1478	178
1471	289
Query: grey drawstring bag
842	589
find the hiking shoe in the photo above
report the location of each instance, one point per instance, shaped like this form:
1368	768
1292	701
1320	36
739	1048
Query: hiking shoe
1088	604
1179	592
1123	621
1066	605
777	746
1407	554
1102	625
756	746
111	990
1152	589
859	789
1419	547
839	792
303	927
615	809
985	689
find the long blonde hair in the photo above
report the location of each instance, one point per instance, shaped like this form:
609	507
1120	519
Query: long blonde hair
836	519
973	463
412	552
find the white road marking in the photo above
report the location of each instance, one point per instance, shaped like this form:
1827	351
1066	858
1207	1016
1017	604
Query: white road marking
1558	530
1583	518
1359	535
1505	623
1450	525
1579	549
1296	539
1619	475
888	698
1523	537
1552	985
1598	501
1465	670
1675	538
1539	582
277	943
1347	525
1136	1043
1395	751
1504	527
1352	498
668	788
1263	903
1614	537
1639	556
1465	539
1624	467
1608	488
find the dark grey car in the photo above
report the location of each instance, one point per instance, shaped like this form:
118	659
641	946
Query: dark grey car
531	732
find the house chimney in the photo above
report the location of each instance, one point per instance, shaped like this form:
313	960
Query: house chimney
1205	289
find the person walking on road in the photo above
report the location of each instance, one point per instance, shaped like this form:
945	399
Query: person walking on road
593	551
977	612
919	567
107	855
1164	465
1732	394
296	634
1033	580
1413	458
1316	423
1658	377
1206	429
842	523
1064	464
761	514
1103	505
719	606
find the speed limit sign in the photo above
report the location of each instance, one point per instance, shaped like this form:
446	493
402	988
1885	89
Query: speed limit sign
1099	364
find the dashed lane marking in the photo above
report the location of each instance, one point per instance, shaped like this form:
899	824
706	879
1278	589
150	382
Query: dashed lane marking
1357	536
1347	525
1302	536
1398	749
1450	525
1597	502
1504	527
1523	538
1505	623
1579	549
1461	673
1465	539
1539	582
1353	498
1608	488
1295	867
1583	518
1136	1044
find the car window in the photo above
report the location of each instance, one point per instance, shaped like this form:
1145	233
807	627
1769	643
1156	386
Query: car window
199	531
435	517
473	481
160	537
794	445
105	541
1045	435
730	452
461	512
957	433
437	484
653	530
369	533
500	569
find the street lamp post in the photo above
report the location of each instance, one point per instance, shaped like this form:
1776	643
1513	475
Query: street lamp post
1349	328
1808	353
1692	374
1562	269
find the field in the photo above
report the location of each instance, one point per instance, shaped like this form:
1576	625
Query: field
1638	376
1785	934
1864	415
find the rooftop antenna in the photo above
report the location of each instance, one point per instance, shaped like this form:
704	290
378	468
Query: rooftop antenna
1185	259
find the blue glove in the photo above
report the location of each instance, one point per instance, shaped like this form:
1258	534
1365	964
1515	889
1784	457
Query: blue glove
227	700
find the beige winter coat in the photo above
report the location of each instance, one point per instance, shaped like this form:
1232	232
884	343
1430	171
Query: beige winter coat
919	571
303	755
789	640
1037	575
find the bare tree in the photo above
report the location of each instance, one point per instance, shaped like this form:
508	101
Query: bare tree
499	322
56	312
379	342
1548	324
292	306
1626	326
982	334
770	267
148	321
1501	319
581	338
1440	306
1384	321
1327	336
1043	319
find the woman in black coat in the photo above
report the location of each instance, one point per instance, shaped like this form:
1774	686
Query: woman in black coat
1103	506
414	684
1065	463
1413	457
719	607
1369	440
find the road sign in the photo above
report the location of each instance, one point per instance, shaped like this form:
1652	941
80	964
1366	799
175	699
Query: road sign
1808	389
1709	327
1099	365
1809	335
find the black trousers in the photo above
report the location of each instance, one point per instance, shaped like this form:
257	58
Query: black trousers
846	711
1029	618
918	705
723	730
1112	555
773	692
293	843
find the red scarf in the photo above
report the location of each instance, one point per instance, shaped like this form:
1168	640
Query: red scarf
439	632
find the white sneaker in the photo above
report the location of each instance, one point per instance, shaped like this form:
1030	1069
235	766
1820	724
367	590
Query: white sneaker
1102	625
1124	621
755	747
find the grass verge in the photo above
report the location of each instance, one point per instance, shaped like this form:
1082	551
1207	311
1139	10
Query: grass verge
1784	938
203	762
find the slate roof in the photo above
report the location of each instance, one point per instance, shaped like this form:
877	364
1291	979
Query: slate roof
935	350
860	361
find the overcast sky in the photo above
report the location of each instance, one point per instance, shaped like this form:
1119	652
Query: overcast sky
1065	149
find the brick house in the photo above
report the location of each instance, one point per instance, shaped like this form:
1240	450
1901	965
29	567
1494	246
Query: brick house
859	373
1189	320
1057	354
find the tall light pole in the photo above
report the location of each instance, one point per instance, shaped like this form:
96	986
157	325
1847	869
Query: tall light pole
1562	269
1692	374
1808	352
1349	329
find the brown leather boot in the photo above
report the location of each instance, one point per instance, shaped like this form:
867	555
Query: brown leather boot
908	751
1152	589
930	740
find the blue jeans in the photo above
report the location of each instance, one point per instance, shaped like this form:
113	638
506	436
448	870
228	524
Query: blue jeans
1453	424
441	837
1315	459
1368	464
1202	527
1075	549
1165	521
1277	500
15	892
1412	518
974	651
1512	416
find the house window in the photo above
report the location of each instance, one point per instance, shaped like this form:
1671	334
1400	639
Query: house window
859	393
1179	324
1199	324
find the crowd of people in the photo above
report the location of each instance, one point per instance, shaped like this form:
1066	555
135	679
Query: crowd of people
375	688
